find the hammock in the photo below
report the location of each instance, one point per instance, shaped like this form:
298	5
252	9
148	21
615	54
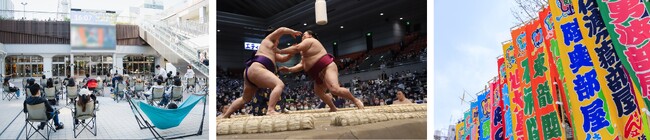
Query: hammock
166	118
169	118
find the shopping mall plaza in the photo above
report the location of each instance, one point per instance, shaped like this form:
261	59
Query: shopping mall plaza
77	41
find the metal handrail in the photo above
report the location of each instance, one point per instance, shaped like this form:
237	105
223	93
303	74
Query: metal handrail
173	40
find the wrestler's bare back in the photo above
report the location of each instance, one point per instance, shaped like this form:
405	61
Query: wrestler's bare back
266	49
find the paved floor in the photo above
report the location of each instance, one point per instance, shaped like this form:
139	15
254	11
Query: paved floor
114	121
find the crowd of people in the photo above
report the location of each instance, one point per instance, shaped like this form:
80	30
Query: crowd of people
298	93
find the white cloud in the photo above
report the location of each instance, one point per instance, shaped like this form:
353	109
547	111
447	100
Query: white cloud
465	57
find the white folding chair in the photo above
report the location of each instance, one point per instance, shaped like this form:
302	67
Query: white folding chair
156	95
6	94
121	87
81	115
191	82
71	94
37	114
100	87
138	88
57	85
50	95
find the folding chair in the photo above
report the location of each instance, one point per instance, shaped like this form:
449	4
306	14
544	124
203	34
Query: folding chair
191	82
81	84
177	93
57	85
27	93
50	95
6	94
71	94
79	114
37	114
156	95
100	87
121	87
43	84
138	88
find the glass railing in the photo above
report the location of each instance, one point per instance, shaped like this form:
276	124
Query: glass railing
33	15
51	16
193	28
173	39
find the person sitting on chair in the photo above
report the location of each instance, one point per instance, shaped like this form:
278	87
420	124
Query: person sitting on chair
138	81
70	82
168	92
50	84
189	74
12	87
157	85
84	97
169	77
91	84
117	79
30	83
87	78
36	98
43	80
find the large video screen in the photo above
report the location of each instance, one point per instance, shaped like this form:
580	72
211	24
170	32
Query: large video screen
92	37
92	29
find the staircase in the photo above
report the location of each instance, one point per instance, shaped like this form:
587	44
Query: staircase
175	42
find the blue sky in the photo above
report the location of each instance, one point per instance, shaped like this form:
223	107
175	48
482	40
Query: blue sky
467	40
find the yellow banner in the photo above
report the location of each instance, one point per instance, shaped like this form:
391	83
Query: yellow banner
591	115
460	130
515	103
618	92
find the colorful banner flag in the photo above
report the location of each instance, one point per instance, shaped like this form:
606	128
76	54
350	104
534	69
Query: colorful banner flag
460	130
547	124
555	65
474	134
497	130
628	23
522	42
618	91
484	109
520	82
591	114
468	125
508	67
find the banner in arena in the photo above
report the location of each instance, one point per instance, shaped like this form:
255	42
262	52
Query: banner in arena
591	114
508	68
484	109
496	115
520	84
627	22
547	125
556	71
615	83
